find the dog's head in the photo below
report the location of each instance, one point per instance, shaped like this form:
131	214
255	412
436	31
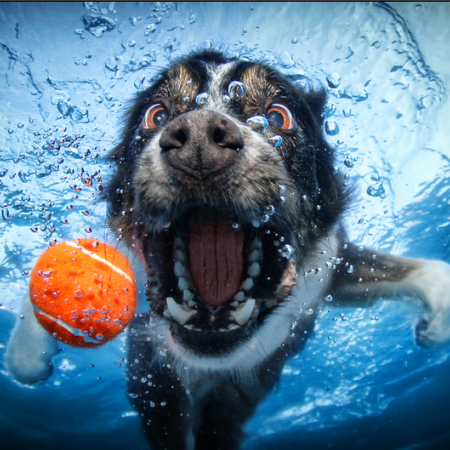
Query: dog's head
223	183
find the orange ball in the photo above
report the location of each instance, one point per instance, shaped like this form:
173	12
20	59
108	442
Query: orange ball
83	292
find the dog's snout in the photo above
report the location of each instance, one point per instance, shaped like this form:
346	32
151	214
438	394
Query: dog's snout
200	143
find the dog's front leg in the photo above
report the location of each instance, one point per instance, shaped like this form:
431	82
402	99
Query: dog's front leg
363	276
30	349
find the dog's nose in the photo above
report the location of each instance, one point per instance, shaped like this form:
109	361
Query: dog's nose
200	143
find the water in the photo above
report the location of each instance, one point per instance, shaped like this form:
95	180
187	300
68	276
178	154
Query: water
67	71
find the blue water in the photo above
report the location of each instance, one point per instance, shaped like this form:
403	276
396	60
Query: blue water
361	382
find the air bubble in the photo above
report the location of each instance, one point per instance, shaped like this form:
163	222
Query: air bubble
79	293
202	98
333	80
276	140
139	82
287	251
236	89
355	92
331	128
376	190
258	123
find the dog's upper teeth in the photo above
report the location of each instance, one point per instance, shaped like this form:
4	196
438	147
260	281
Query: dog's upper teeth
242	315
178	313
188	296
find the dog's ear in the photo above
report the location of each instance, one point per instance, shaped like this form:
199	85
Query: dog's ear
316	100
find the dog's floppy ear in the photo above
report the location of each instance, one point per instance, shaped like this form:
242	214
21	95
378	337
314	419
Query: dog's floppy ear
316	100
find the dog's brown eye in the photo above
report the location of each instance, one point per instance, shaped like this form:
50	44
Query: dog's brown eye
279	116
155	116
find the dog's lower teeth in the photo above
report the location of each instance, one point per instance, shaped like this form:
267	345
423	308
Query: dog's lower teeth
254	270
242	315
177	312
178	243
247	284
255	256
183	284
179	269
233	326
179	255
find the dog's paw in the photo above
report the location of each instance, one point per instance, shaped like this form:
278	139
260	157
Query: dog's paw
432	279
433	330
30	349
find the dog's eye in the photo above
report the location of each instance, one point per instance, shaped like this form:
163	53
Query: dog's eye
279	116
155	116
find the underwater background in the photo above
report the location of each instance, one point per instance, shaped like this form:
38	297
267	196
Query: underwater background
67	72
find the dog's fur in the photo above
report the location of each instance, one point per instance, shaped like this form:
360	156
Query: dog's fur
205	197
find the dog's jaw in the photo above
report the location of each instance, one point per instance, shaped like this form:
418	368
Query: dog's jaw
257	343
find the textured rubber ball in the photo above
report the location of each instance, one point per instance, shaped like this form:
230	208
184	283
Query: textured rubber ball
83	292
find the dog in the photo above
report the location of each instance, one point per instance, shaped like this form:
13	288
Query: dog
225	186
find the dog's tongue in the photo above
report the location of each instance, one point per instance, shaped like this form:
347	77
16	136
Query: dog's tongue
217	262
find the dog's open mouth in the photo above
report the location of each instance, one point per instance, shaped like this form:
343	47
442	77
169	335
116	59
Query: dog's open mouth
212	275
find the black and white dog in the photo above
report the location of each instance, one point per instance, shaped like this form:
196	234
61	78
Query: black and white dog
224	184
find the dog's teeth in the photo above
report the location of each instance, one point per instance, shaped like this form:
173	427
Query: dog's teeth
242	316
188	295
189	326
179	255
180	270
177	312
183	284
255	256
247	284
256	223
233	326
254	269
178	243
239	297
